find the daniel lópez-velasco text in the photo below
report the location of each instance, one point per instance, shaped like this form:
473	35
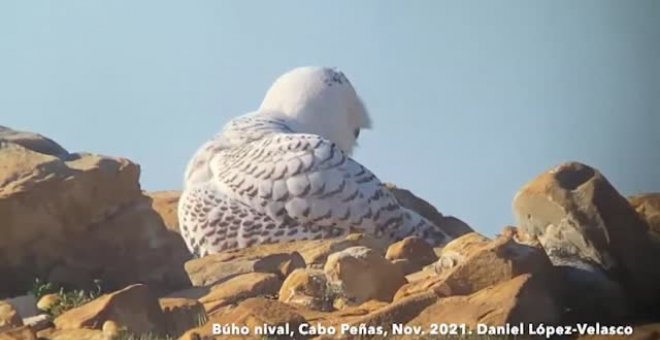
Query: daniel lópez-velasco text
399	329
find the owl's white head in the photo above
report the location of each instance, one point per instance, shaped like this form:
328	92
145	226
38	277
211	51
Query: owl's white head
320	101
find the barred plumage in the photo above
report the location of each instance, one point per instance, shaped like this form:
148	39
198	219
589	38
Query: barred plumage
283	174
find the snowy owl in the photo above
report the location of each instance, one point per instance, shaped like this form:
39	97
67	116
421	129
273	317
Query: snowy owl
284	173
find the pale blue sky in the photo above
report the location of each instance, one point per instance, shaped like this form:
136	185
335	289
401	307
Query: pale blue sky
470	99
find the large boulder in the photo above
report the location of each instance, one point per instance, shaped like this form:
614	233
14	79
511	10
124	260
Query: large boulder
361	274
9	317
135	307
591	231
472	262
523	299
71	218
413	252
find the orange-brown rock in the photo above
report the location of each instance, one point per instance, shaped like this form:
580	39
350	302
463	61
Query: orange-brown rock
9	317
133	307
251	313
472	262
587	227
75	217
18	333
275	258
414	251
457	249
400	311
280	264
165	203
361	274
239	288
111	329
75	334
181	315
648	207
307	288
523	299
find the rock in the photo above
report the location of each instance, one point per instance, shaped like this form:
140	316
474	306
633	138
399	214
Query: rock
307	288
523	299
591	231
251	313
427	272
455	251
19	333
111	329
32	141
48	301
452	225
361	274
192	293
73	218
9	317
472	262
398	312
133	307
239	288
406	266
152	253
182	314
165	203
280	264
39	322
216	268
415	251
648	207
75	334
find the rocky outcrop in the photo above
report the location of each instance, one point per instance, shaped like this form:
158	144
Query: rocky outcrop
71	218
591	231
135	308
272	258
581	252
525	298
472	262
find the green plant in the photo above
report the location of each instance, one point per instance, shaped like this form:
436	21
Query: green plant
41	287
67	299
